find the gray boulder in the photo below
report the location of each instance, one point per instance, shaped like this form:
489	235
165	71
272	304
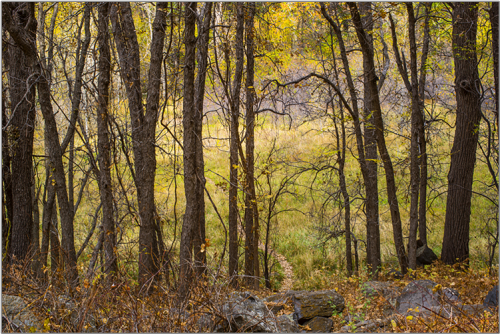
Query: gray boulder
312	304
244	312
320	325
491	299
451	295
17	316
417	294
286	324
425	255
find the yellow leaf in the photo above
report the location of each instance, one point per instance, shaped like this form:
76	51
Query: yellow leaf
394	325
410	317
437	288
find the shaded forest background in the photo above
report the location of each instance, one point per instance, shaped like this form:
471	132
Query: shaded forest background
155	143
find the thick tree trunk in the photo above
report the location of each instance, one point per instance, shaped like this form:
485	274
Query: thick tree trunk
105	186
7	205
143	124
199	91
22	126
189	144
463	152
251	212
371	156
379	125
233	146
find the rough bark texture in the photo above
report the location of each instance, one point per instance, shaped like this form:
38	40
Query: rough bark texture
251	212
463	152
379	125
494	46
188	121
143	124
105	186
199	92
21	129
371	156
7	204
233	146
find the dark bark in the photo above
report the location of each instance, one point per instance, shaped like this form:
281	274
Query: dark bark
379	126
189	144
463	152
199	91
494	45
105	185
371	156
7	205
234	143
371	202
251	212
21	129
143	124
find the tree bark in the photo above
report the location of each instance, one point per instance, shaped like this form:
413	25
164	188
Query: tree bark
494	45
233	146
251	212
22	126
371	202
143	124
7	205
105	185
189	143
379	125
371	156
463	152
199	92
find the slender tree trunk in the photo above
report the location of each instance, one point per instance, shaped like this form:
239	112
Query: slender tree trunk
7	205
201	56
251	212
463	152
22	126
233	146
105	185
422	219
371	156
188	121
494	45
371	202
379	125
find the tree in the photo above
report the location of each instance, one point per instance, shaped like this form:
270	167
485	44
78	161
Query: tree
373	101
22	99
189	125
105	186
463	152
143	123
251	211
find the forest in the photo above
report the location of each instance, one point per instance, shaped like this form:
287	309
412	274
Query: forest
250	167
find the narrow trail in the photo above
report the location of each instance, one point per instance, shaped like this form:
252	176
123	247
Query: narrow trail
287	282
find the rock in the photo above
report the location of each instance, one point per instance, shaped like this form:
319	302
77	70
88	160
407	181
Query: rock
323	303
395	274
384	289
365	326
19	317
491	299
245	312
447	311
417	294
286	324
205	323
65	303
425	255
451	295
320	325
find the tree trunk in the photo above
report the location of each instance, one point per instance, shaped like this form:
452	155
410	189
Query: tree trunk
251	212
463	152
371	156
233	146
7	205
379	125
494	45
143	124
22	126
105	185
199	91
371	202
188	121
